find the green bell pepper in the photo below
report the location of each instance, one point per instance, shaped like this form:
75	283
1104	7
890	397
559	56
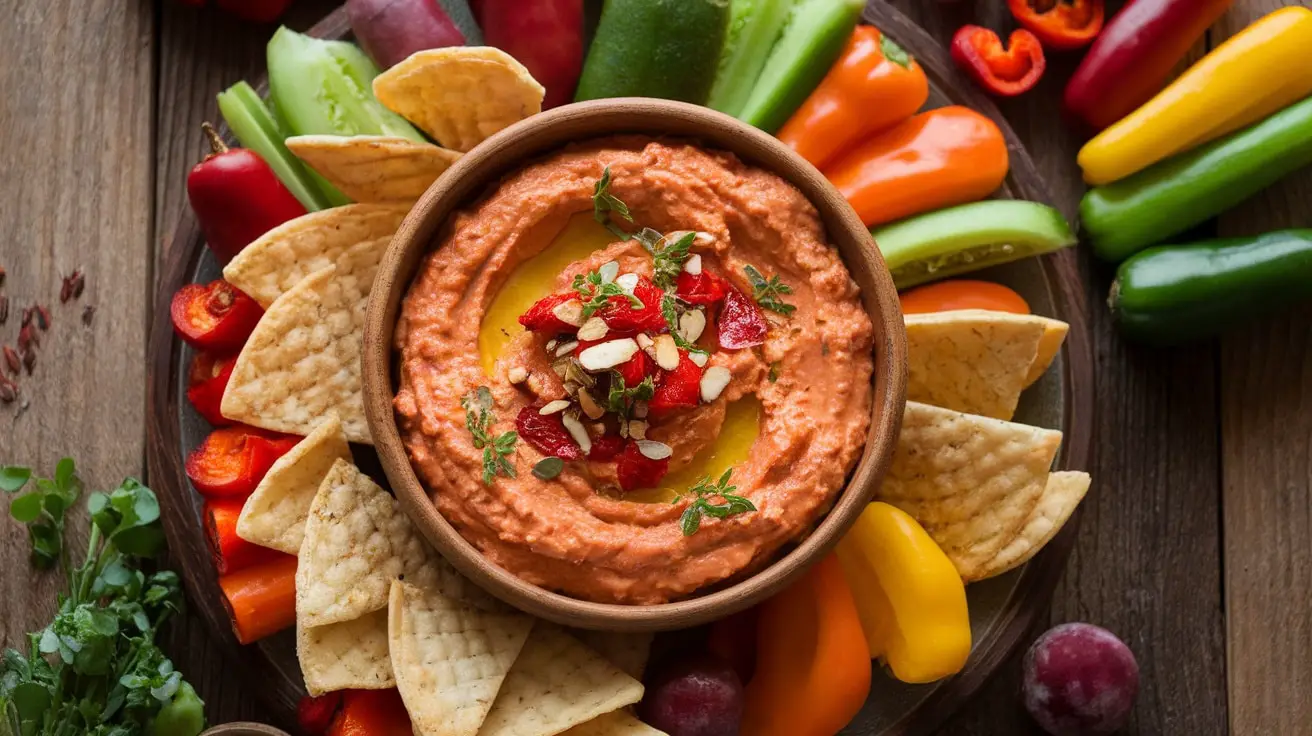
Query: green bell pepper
1175	293
1172	196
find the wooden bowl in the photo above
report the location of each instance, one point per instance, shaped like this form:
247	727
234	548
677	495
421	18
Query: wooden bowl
244	729
544	134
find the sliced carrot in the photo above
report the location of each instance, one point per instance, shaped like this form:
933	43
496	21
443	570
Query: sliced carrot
962	294
261	600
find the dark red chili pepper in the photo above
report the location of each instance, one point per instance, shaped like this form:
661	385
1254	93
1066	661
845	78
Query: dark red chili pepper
206	383
1134	55
229	551
1001	71
255	11
1060	24
216	317
546	36
237	197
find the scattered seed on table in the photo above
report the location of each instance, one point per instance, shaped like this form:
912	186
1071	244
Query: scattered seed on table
4	309
27	317
29	360
11	360
8	391
42	318
88	312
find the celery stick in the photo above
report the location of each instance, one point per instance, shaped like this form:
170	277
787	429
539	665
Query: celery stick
754	26
255	129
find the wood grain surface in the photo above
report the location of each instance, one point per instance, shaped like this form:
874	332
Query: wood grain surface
1195	544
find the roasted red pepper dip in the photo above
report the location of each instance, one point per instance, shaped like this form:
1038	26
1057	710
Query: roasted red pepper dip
717	287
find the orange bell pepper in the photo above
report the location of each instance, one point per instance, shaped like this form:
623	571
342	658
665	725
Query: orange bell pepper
261	600
962	294
939	158
873	86
812	661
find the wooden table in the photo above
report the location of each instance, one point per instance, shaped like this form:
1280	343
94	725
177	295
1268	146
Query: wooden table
1195	545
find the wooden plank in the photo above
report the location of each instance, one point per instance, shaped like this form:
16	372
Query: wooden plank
1147	561
1266	438
74	192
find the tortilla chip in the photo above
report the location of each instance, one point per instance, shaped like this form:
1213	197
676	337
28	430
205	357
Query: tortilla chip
350	237
450	659
627	651
1060	498
619	723
1054	334
374	168
274	515
460	95
557	683
357	541
303	360
351	654
971	360
971	481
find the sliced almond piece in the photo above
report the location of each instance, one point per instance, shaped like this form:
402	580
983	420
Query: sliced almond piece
693	265
654	450
608	354
517	374
713	382
691	325
608	271
667	352
644	340
637	429
699	358
590	405
554	407
570	312
577	431
627	281
594	329
565	348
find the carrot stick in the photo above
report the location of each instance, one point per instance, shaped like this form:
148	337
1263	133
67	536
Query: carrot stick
261	600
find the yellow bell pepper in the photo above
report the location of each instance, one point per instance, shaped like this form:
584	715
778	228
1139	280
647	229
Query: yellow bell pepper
909	596
1258	71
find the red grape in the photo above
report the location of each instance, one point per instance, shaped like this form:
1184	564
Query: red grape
698	696
1080	680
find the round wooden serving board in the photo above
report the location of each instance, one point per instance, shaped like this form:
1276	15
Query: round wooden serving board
1002	609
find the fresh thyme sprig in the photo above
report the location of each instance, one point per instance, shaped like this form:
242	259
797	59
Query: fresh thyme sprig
702	504
670	310
604	203
670	259
595	293
478	420
768	293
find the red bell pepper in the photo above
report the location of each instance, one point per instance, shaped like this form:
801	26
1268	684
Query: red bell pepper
206	382
1006	72
546	36
1134	56
229	551
1060	24
261	600
316	714
237	197
232	461
371	713
217	316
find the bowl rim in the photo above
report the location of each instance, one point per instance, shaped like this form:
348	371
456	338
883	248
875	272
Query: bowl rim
540	135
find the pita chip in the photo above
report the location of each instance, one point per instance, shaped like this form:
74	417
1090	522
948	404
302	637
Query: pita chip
346	655
369	168
1061	496
618	723
628	651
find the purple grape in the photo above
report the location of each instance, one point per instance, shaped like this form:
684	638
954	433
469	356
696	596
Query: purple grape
699	696
1080	680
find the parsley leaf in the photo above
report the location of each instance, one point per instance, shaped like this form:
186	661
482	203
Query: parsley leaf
767	293
703	504
478	420
596	294
670	310
603	203
670	259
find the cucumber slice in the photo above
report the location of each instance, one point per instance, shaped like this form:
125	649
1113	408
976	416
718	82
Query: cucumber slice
812	41
655	48
754	27
969	237
326	88
256	129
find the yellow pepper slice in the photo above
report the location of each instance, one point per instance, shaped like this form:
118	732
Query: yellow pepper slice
909	597
1257	72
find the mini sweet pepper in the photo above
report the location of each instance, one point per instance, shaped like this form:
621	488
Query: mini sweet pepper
909	596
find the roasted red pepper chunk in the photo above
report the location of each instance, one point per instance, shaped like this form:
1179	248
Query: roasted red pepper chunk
636	470
547	434
741	323
229	551
216	316
703	288
636	369
1060	24
605	448
620	316
206	382
1001	71
232	461
541	316
677	389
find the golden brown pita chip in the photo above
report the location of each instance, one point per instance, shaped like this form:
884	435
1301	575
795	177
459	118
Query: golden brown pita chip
1054	334
627	651
972	360
348	655
450	659
372	168
557	683
350	237
971	481
619	723
303	360
460	95
274	515
1060	498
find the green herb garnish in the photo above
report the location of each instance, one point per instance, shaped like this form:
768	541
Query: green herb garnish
604	203
620	398
595	294
768	293
703	504
670	310
670	259
548	468
478	419
96	669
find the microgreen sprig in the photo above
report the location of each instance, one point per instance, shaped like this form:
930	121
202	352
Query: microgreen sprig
478	420
767	293
703	503
595	292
